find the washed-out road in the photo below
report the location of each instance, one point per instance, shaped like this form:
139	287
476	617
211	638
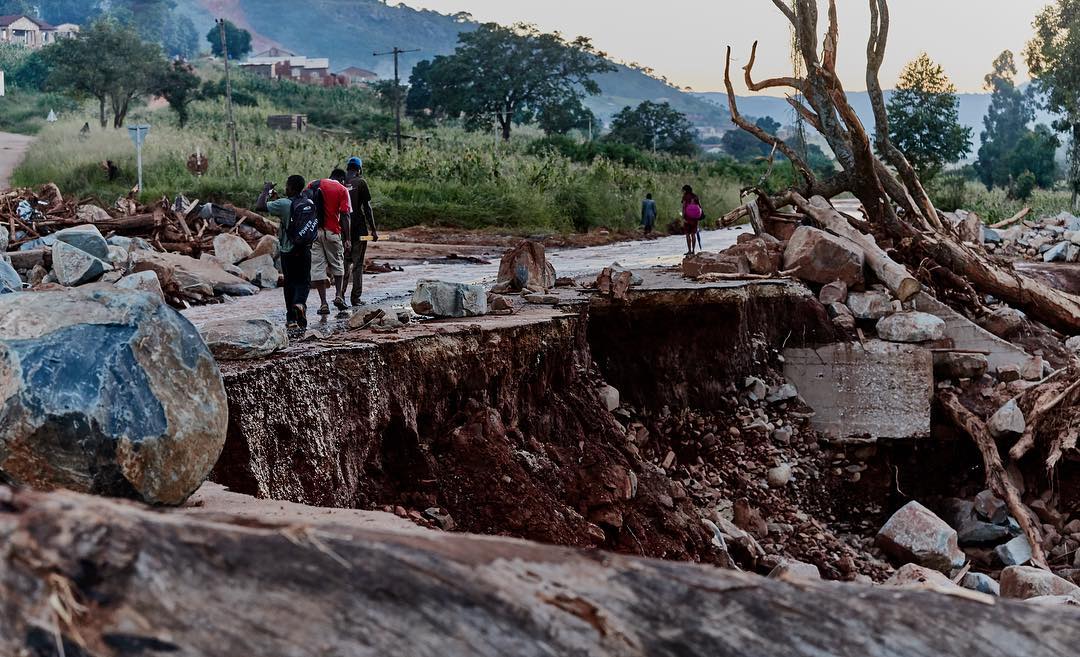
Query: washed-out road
12	149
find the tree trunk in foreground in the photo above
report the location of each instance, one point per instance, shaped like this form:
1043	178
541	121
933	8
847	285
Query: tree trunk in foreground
113	579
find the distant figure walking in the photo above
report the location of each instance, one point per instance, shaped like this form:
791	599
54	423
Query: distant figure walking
692	214
362	225
648	213
295	253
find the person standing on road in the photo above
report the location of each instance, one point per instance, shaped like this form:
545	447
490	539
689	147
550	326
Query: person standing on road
328	251
648	213
692	214
363	225
295	258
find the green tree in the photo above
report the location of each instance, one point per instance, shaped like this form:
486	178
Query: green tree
125	67
1053	58
24	7
80	12
179	85
238	41
1004	125
509	73
561	118
1034	154
744	146
924	118
656	126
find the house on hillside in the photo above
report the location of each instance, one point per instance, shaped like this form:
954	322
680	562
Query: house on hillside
31	32
358	76
278	64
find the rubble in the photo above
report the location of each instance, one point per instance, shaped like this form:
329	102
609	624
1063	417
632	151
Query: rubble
915	534
525	268
231	249
442	299
1016	552
108	392
870	305
243	339
146	281
911	327
1007	422
822	258
73	266
918	577
1024	582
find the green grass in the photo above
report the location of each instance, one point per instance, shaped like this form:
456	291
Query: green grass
455	179
995	205
25	112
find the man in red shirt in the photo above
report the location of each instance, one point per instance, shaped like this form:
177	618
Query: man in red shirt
328	251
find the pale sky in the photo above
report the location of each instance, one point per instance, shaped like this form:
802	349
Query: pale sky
685	39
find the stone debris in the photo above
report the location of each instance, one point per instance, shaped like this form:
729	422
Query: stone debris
870	305
610	395
911	327
145	281
260	270
835	292
107	392
792	570
1016	552
914	534
9	278
982	583
243	339
525	268
913	576
449	300
73	266
87	239
820	257
542	299
1007	422
1024	582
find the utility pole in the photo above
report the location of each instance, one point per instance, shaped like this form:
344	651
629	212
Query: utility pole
397	89
228	97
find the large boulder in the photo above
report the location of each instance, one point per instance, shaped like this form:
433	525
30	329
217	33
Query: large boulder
911	327
181	274
108	392
85	238
761	256
243	339
914	534
442	299
707	262
73	266
9	278
525	267
231	248
1024	582
823	258
261	271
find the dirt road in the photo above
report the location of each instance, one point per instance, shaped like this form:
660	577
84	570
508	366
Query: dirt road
12	149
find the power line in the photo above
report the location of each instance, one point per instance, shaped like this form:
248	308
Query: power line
397	89
228	96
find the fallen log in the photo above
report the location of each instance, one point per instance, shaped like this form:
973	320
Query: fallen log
894	275
255	220
123	225
1019	216
996	478
110	579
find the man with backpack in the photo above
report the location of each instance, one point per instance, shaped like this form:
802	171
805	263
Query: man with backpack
328	251
297	231
363	226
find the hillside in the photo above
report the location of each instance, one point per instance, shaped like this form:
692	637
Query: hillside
349	31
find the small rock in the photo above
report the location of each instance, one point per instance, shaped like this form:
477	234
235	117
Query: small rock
870	305
230	248
779	476
85	238
915	534
260	271
146	281
755	388
982	583
911	327
440	517
782	436
977	532
835	292
243	339
4	238
91	214
790	569
267	245
1016	552
442	299
9	278
918	577
991	508
1024	582
610	395
1073	344
1004	322
782	393
498	303
1007	422
1056	252
73	266
1008	373
953	365
542	299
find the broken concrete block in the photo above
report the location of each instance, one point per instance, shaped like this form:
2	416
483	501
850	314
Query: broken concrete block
823	258
1016	552
835	292
442	299
230	248
911	327
918	577
1007	422
968	336
870	305
915	534
1024	582
877	389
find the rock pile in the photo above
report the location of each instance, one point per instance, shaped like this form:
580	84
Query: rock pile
1050	239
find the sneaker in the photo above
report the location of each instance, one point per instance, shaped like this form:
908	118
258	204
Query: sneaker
340	304
324	309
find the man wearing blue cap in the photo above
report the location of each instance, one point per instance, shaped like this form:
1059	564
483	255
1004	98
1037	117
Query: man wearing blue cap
362	224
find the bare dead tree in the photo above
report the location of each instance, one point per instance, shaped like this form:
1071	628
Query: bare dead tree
897	205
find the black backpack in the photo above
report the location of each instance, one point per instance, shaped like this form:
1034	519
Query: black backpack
304	221
314	192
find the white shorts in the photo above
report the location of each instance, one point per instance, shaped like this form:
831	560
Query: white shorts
327	257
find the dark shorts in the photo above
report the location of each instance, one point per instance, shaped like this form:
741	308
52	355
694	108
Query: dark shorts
691	226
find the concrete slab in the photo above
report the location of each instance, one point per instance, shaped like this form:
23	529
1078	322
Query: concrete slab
965	334
872	390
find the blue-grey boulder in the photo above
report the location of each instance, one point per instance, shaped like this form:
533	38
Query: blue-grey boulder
109	392
9	278
85	238
442	299
73	266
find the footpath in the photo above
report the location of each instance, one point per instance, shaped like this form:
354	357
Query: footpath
12	149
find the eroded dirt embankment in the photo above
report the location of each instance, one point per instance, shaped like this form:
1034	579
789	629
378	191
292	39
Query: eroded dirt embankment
503	425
